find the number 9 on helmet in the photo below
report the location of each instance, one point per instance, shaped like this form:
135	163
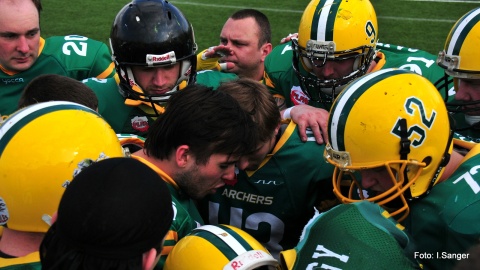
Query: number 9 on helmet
215	247
42	147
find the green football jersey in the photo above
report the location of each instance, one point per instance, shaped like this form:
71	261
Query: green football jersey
274	203
283	82
28	262
123	118
354	236
445	223
72	56
136	118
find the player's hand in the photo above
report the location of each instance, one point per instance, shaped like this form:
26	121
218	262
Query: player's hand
219	51
288	38
216	52
310	117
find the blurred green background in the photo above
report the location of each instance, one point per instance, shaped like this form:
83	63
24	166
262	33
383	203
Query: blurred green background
422	24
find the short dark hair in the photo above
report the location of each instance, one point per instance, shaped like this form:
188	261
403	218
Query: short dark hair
258	102
207	121
38	5
53	87
262	21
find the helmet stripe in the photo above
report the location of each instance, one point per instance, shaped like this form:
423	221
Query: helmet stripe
324	19
347	99
22	117
460	31
224	239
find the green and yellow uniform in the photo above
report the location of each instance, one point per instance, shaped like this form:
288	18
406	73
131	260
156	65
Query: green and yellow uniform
445	223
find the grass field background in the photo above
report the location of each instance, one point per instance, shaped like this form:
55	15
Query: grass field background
422	24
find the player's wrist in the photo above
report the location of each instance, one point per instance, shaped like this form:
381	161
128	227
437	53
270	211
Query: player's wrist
286	113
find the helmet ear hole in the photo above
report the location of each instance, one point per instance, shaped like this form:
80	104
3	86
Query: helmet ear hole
427	160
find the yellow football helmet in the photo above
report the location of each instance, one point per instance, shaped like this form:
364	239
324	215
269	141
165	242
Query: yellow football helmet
216	247
393	119
42	147
332	31
460	58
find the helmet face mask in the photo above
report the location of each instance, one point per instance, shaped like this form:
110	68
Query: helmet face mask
382	122
326	35
152	34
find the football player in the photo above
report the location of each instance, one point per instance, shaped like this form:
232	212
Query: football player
153	47
24	54
114	215
278	185
398	153
337	42
43	147
461	60
245	41
219	247
194	146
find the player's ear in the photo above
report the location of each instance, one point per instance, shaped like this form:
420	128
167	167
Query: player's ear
182	155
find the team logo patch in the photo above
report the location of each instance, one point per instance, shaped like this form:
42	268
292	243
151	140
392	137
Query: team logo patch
140	123
298	97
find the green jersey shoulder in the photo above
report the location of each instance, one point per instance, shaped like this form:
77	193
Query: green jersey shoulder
444	223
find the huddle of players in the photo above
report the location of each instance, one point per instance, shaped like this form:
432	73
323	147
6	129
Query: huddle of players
271	197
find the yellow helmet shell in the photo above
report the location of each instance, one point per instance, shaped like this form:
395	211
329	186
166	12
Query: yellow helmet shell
460	57
42	147
215	247
366	129
349	24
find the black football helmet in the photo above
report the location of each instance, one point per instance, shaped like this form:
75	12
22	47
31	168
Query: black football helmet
152	33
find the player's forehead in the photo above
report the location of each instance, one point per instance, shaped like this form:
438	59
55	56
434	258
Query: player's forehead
240	29
18	16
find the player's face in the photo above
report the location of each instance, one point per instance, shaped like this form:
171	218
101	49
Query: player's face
197	181
333	69
469	90
19	35
376	179
158	80
242	36
252	161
